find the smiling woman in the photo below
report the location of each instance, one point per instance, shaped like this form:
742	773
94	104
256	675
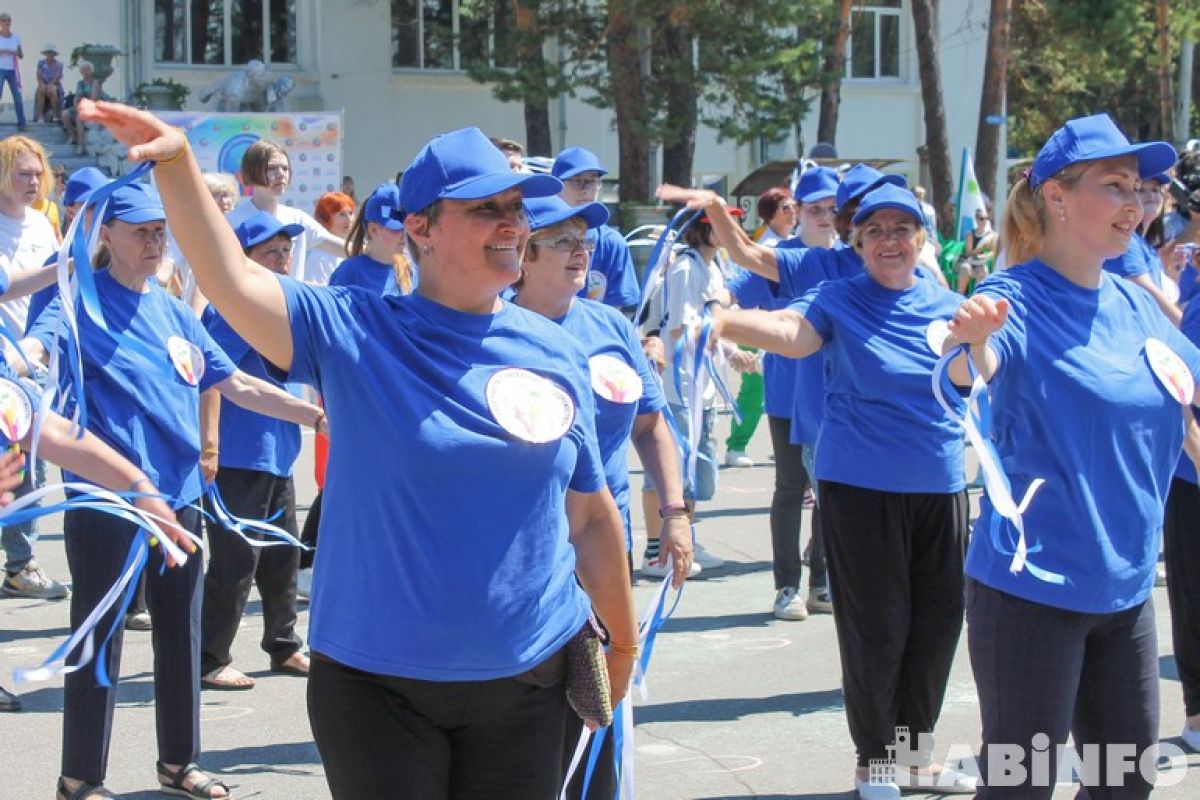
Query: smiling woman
465	486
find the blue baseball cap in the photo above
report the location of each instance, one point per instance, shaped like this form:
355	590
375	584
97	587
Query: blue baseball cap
262	227
465	165
135	203
861	179
383	207
816	184
81	184
574	160
1091	139
546	211
889	195
1162	178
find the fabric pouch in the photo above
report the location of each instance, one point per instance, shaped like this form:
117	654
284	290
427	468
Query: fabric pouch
588	689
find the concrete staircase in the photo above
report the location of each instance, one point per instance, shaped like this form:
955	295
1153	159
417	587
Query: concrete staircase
54	139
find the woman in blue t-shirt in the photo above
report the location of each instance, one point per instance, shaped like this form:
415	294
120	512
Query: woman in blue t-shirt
629	401
890	471
375	245
467	530
143	400
1087	380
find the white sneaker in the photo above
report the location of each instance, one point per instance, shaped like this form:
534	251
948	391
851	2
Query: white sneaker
789	606
819	601
947	781
32	582
706	559
876	789
1191	737
653	570
738	458
304	583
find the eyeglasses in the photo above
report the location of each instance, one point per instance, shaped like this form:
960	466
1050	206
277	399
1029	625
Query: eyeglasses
584	184
877	233
787	206
567	244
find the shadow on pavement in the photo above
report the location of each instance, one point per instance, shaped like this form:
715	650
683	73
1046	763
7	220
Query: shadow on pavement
1168	670
264	759
718	623
728	709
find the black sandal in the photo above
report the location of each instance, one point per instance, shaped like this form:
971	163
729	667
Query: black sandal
174	783
85	791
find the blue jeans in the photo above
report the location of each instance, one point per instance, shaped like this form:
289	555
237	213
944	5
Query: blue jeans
706	464
18	540
9	76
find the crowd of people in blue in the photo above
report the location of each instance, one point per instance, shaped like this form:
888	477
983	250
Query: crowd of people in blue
471	352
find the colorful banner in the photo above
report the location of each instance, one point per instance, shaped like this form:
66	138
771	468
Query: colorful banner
970	196
313	141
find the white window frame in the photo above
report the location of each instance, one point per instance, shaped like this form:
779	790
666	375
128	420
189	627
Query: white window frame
455	31
877	12
227	41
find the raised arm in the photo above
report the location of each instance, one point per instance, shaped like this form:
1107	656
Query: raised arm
785	332
247	295
747	253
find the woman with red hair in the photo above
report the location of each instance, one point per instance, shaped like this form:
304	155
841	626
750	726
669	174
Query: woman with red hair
336	212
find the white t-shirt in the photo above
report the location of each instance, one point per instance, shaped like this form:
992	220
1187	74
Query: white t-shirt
314	232
690	283
320	266
10	42
25	244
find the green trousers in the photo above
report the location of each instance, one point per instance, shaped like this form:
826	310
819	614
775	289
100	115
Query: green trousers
750	404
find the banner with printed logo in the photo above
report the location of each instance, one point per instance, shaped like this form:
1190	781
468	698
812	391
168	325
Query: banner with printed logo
313	141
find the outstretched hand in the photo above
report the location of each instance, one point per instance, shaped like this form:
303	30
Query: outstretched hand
147	137
978	318
692	198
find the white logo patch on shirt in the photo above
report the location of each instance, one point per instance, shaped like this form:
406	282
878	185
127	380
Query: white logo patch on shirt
936	335
187	358
530	407
614	380
16	411
597	285
1170	370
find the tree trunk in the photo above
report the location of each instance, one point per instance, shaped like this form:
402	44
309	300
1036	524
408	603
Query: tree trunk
834	68
924	13
678	82
531	58
629	100
1165	95
995	73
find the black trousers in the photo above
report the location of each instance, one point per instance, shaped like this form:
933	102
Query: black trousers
233	565
381	736
1049	671
96	546
312	525
1181	546
896	573
787	509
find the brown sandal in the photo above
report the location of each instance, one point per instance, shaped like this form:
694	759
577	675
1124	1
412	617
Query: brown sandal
227	679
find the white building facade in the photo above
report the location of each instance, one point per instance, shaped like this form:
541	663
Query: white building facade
393	68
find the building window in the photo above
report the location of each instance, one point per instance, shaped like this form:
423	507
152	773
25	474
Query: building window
224	32
874	47
451	35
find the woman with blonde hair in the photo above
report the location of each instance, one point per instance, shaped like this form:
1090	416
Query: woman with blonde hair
375	245
1090	387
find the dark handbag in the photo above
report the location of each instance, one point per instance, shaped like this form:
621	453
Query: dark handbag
588	689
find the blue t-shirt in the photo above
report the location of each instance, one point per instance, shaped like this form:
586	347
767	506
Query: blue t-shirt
611	277
1189	326
148	413
1187	283
1139	258
40	299
602	330
1075	402
883	428
444	541
250	440
779	372
364	271
799	271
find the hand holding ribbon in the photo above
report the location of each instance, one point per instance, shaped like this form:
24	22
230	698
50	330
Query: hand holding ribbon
978	318
147	137
675	544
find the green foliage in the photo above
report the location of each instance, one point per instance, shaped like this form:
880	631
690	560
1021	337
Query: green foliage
1075	57
757	71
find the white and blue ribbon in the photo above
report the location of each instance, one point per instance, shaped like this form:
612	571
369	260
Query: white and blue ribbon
975	414
244	527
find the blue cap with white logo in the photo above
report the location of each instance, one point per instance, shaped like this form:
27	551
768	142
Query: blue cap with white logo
383	207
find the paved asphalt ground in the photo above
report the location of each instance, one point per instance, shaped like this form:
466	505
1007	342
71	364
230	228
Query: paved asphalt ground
741	704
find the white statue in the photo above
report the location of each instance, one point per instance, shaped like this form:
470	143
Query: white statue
249	89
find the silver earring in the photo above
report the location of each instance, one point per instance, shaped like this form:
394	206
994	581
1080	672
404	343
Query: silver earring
426	249
1062	214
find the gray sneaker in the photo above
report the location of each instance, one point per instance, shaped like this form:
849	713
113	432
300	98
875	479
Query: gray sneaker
31	582
819	601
